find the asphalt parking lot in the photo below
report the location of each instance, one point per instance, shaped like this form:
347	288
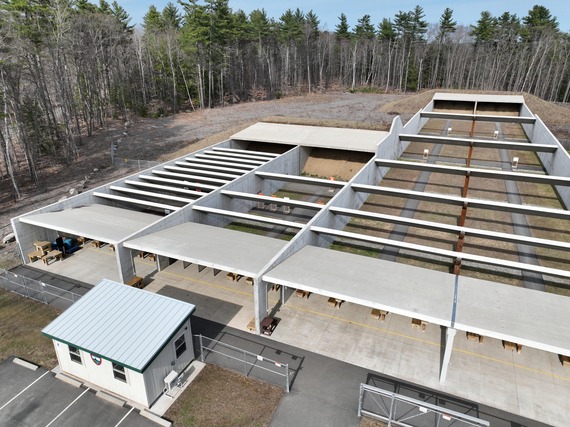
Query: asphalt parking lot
37	398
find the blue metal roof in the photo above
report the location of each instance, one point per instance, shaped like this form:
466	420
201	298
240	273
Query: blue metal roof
126	325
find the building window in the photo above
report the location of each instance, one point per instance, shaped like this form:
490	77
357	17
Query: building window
74	354
119	373
180	345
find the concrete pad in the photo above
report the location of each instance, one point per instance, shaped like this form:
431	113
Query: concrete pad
313	136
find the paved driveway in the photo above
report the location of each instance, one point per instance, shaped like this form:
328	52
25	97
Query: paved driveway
37	398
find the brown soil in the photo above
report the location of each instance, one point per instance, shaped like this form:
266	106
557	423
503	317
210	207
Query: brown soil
219	397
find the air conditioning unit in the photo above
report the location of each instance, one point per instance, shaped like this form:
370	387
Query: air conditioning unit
169	381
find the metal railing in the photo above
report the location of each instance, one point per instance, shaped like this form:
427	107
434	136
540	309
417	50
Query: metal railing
36	290
243	361
400	410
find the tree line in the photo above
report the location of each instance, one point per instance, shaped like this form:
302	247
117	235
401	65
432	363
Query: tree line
68	66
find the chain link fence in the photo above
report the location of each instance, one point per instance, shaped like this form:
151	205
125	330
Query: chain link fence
36	290
133	163
243	361
399	410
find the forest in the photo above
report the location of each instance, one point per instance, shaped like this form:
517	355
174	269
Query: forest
68	67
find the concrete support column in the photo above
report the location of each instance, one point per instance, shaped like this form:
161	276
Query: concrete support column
125	263
449	336
259	302
162	262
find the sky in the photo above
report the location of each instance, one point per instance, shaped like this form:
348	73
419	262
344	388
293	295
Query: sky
465	12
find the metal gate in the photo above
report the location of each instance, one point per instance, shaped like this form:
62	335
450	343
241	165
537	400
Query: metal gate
246	362
399	410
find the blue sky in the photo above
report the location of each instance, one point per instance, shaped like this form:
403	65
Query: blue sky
465	12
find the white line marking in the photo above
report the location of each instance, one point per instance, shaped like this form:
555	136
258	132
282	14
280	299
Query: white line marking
68	406
7	403
123	419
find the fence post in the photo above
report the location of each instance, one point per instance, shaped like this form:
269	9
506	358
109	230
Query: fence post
25	286
287	376
201	349
360	400
43	288
391	410
244	363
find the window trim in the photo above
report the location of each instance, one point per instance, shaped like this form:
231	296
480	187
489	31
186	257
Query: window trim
119	372
180	346
75	354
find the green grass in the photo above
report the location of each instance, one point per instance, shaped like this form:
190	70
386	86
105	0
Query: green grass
219	397
21	321
355	249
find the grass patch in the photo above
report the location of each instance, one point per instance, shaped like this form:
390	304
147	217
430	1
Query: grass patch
219	397
356	249
21	321
248	228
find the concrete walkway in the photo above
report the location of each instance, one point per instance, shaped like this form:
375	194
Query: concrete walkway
325	391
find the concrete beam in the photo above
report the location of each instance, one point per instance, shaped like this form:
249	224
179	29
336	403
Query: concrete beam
188	164
178	182
475	172
477	117
443	252
301	179
461	201
235	150
209	161
150	194
269	199
482	143
235	154
449	336
249	217
164	188
216	156
192	177
505	237
136	201
200	172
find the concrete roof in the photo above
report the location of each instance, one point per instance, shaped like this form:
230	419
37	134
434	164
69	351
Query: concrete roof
126	325
215	247
511	99
397	288
99	222
313	136
533	318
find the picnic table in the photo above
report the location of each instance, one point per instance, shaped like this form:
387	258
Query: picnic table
52	255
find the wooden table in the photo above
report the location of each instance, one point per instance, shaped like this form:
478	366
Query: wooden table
135	282
52	255
378	314
37	254
43	246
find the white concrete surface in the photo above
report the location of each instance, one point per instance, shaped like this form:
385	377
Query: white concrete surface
397	288
214	247
313	136
97	222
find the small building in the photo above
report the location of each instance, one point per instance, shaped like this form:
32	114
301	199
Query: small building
124	340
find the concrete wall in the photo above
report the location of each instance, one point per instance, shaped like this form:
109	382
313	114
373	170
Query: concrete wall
557	163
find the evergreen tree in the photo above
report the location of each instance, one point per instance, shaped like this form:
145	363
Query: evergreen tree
364	28
342	30
538	22
485	29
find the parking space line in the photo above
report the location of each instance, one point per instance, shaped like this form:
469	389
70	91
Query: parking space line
68	406
123	419
16	396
